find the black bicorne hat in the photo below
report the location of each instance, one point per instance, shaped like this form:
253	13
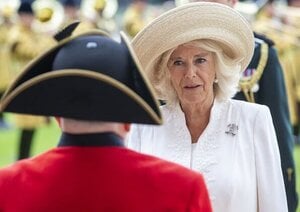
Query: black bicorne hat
71	3
25	7
88	77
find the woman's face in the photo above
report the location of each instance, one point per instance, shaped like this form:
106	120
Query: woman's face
192	72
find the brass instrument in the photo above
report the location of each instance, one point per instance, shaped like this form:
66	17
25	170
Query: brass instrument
8	9
101	12
49	15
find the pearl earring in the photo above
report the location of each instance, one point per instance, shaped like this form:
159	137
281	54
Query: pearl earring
216	80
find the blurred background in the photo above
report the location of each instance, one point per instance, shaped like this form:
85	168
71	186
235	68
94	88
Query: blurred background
27	29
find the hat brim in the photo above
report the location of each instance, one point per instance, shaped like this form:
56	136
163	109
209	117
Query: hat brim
71	90
194	21
80	94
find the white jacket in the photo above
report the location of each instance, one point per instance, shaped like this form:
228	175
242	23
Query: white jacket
237	153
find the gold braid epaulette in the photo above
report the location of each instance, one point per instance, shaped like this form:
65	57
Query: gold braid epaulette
246	85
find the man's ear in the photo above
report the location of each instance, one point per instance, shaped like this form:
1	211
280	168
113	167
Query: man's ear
127	127
58	119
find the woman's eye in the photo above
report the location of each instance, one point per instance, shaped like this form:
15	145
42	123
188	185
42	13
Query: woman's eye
200	60
177	63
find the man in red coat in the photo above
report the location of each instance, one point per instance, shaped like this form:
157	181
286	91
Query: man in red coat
96	87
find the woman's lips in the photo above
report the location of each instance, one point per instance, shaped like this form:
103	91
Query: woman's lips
191	86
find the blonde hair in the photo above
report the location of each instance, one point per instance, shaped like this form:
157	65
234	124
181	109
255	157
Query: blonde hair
227	72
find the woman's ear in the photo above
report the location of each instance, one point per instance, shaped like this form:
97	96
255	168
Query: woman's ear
233	3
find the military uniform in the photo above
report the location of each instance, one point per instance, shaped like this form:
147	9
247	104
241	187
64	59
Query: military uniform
286	54
283	28
263	82
24	45
4	62
4	57
296	56
293	33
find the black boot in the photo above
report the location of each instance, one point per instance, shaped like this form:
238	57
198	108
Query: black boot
3	124
25	143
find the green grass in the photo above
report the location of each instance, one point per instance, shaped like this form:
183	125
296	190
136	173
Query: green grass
47	137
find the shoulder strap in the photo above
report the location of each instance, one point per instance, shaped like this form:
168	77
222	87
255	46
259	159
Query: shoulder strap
246	85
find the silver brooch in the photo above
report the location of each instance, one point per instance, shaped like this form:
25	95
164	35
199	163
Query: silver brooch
232	129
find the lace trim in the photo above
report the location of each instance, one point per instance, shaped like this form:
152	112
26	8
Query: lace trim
204	156
181	150
205	153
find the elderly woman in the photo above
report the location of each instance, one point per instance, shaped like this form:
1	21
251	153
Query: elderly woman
193	55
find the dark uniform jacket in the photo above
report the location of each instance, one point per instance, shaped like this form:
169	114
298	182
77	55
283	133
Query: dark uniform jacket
94	172
264	76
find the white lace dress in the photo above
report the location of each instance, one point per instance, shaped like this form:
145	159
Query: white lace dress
237	154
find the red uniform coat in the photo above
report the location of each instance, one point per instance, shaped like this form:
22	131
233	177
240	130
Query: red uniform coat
76	177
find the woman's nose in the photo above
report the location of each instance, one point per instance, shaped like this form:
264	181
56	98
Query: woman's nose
190	71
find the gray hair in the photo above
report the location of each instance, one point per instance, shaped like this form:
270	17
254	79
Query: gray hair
227	72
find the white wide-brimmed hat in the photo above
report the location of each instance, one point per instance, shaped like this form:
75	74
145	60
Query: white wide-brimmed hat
193	21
